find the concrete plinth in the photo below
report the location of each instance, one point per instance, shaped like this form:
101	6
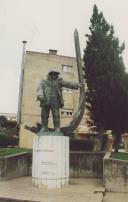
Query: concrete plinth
50	167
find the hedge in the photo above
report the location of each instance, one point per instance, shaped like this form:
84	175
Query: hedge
6	140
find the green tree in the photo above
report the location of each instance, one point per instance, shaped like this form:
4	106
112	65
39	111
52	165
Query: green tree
3	122
107	95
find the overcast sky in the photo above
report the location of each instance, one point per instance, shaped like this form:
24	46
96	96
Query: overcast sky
48	24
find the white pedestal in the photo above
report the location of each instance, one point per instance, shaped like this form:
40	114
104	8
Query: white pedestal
50	167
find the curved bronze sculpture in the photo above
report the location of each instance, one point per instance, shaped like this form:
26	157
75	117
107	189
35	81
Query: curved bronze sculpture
79	114
67	130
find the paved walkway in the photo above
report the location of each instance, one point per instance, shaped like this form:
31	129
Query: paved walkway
79	190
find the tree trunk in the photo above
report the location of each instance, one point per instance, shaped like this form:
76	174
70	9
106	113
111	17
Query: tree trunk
117	142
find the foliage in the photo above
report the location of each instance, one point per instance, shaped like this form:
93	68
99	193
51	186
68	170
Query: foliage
11	124
107	81
5	123
6	140
81	145
9	131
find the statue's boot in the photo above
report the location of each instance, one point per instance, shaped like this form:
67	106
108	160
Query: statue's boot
57	129
57	124
44	129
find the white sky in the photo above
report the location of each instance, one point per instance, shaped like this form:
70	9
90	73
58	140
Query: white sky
48	24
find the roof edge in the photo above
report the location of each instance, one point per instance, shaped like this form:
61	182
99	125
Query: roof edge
36	52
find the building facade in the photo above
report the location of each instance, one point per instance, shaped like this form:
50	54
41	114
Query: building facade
36	67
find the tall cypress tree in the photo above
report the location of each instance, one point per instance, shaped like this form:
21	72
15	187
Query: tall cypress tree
107	95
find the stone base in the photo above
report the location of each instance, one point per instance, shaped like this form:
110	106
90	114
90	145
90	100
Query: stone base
50	166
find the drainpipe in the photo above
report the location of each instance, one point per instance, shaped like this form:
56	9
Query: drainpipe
21	83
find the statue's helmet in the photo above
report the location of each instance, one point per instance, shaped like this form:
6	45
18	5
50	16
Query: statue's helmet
53	71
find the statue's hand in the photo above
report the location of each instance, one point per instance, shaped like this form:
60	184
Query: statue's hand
81	85
40	98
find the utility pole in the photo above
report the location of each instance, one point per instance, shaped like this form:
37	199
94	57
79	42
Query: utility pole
21	83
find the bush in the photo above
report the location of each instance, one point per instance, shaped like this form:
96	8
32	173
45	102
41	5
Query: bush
11	124
3	122
81	145
9	131
6	140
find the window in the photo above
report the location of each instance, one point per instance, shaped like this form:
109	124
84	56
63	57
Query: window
66	113
63	113
67	68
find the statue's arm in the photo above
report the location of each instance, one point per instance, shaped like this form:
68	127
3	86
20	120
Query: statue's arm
40	93
70	85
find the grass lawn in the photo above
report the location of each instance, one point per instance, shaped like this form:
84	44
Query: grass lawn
119	156
11	151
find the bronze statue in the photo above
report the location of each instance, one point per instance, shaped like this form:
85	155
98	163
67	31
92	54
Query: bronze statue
70	127
49	93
